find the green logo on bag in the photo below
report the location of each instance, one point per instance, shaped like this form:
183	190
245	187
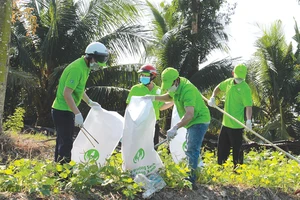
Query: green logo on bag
140	154
184	146
91	154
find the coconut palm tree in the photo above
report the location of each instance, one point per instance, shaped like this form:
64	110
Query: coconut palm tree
5	24
56	33
273	84
175	46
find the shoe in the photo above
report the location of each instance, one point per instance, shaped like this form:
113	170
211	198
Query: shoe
194	186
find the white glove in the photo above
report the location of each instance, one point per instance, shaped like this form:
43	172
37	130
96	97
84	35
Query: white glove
212	102
249	124
79	120
172	132
93	103
151	97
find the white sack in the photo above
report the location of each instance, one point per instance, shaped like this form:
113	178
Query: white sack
178	144
106	127
138	151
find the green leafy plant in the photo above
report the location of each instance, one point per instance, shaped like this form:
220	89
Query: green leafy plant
15	122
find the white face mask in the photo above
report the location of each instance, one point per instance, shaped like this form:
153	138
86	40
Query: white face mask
94	66
238	80
173	88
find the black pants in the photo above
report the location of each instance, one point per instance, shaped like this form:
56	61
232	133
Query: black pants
64	126
230	138
156	133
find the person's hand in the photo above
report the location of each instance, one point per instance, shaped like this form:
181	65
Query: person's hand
212	102
249	124
79	120
172	132
150	97
93	103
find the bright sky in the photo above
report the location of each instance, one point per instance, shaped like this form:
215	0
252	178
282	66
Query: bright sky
243	30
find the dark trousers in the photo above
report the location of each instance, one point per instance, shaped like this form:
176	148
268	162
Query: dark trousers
64	126
230	138
156	133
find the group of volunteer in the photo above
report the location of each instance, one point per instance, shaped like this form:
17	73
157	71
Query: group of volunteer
192	110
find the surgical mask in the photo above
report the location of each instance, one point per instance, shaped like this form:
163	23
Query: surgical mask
173	88
238	80
145	80
94	66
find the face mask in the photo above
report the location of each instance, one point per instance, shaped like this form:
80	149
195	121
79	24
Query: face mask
173	88
238	80
145	80
94	66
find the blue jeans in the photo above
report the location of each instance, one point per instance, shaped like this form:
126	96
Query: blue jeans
194	138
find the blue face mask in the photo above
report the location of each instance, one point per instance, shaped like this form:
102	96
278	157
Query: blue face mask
145	80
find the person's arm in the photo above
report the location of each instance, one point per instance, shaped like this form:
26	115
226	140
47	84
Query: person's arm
249	112
216	91
187	117
166	105
85	98
212	101
70	101
165	98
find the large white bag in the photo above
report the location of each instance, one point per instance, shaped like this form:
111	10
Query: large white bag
138	151
106	127
178	144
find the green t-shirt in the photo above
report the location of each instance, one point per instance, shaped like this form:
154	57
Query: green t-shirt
188	95
142	90
74	76
237	97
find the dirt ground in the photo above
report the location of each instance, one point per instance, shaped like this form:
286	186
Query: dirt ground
20	147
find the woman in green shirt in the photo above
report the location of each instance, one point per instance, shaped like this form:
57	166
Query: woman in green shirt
147	73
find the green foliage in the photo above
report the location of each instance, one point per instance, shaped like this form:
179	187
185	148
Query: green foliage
46	178
269	169
15	122
271	77
173	174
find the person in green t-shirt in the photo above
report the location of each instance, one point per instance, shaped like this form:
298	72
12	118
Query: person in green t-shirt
70	92
237	98
194	114
146	86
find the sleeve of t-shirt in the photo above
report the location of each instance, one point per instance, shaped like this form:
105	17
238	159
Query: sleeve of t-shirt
129	95
247	97
223	85
133	92
72	79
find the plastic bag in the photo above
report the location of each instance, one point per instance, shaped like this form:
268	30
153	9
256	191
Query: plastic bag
151	183
138	152
106	127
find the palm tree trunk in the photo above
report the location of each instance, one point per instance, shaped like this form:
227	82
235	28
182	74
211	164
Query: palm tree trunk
5	24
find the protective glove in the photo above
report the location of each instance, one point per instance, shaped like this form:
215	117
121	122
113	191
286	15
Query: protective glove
78	120
212	102
172	132
93	103
151	97
249	124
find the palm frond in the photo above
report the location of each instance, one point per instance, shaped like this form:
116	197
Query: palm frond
212	74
